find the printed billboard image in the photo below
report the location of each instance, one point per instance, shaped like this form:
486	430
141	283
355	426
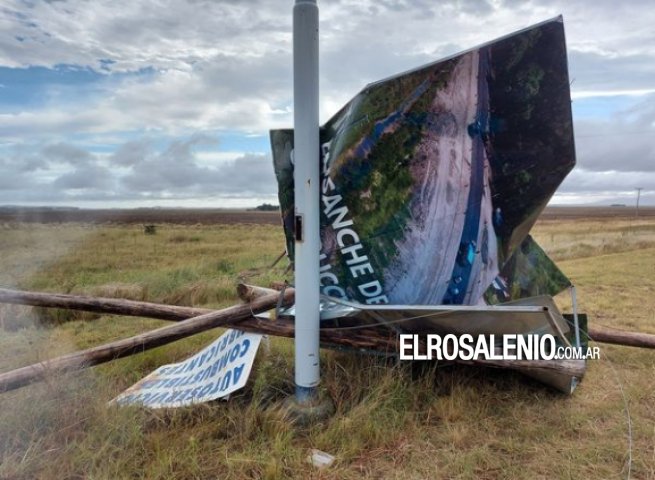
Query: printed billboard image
431	180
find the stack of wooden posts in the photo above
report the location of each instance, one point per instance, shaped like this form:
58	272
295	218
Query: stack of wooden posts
190	320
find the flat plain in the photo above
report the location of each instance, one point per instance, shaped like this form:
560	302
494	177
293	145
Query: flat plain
391	421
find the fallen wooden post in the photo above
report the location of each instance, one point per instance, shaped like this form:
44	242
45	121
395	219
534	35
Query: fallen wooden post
248	293
575	368
368	338
113	306
139	343
195	320
365	338
177	313
621	337
173	312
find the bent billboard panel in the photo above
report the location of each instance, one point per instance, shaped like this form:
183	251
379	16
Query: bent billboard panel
431	180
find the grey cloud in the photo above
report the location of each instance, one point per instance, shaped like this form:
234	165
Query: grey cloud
131	153
643	113
175	171
395	5
22	159
228	63
513	4
31	163
263	76
476	7
225	65
632	150
624	142
172	172
85	177
12	180
591	71
19	184
581	181
183	150
54	122
249	173
66	153
168	34
174	168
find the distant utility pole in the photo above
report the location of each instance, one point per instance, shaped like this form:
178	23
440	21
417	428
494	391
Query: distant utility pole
639	189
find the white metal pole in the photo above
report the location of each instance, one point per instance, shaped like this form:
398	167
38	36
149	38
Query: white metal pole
306	179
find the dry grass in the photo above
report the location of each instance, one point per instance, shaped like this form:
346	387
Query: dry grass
391	421
566	239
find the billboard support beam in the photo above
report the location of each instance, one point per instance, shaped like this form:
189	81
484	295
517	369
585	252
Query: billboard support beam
306	180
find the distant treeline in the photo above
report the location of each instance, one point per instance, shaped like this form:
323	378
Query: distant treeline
267	207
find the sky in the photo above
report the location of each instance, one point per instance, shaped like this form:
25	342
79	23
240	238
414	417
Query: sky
113	103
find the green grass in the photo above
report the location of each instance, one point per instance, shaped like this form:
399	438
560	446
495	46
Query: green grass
390	422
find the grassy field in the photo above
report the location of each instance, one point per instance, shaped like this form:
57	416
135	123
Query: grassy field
391	421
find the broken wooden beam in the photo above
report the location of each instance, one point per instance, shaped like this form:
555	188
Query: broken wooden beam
172	312
283	327
114	306
621	337
138	343
243	315
248	293
575	368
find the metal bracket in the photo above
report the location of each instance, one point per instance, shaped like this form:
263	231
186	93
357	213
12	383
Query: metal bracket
298	227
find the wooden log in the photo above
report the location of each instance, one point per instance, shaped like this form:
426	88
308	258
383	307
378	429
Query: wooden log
283	327
173	312
368	338
117	306
139	343
574	368
113	306
248	293
365	338
621	337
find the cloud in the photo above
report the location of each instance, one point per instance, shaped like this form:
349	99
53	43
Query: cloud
167	34
582	181
176	172
606	72
86	177
228	64
138	72
248	173
625	141
138	169
65	153
12	179
132	152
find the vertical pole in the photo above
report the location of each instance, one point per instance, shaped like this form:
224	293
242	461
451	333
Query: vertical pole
576	322
639	189
306	180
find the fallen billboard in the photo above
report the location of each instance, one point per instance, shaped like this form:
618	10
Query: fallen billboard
430	183
431	180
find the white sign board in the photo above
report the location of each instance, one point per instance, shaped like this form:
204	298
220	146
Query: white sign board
214	372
